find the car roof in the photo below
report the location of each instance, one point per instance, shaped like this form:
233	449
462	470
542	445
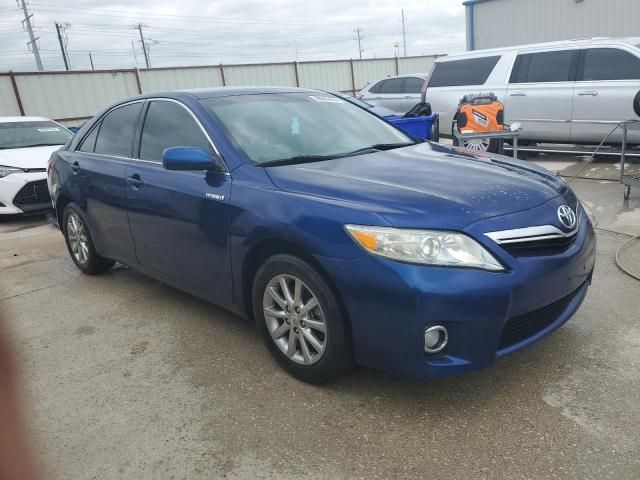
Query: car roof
24	119
634	41
211	92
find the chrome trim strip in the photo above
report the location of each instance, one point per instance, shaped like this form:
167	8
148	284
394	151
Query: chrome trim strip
531	234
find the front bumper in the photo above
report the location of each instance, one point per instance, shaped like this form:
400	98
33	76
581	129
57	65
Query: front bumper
390	304
24	193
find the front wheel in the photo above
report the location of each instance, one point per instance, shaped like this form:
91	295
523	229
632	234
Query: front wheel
80	244
300	320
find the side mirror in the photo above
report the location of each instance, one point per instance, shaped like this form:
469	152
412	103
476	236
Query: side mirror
188	158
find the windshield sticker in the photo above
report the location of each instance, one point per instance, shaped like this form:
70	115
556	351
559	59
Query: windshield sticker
295	126
318	98
49	129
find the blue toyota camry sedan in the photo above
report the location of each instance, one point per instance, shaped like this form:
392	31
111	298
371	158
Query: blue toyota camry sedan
344	239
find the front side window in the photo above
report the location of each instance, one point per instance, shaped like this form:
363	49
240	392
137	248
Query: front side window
32	134
167	125
456	73
609	64
117	130
413	85
544	67
391	86
89	142
272	127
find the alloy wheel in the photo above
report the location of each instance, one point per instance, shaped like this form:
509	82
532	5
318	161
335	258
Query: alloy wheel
480	144
77	238
294	319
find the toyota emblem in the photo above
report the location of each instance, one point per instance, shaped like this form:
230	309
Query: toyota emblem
567	216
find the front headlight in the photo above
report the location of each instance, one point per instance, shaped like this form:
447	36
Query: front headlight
426	247
4	171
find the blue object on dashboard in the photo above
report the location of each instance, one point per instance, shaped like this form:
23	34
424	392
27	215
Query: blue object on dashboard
345	240
420	127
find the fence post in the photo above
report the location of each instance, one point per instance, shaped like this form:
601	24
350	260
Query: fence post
397	69
295	69
16	92
353	78
137	74
224	82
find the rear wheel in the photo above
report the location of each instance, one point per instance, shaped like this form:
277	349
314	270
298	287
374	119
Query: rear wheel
300	320
80	244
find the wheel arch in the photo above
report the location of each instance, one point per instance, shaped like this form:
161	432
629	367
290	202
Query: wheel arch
264	249
61	202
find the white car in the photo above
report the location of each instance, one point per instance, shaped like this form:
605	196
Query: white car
26	143
398	94
573	91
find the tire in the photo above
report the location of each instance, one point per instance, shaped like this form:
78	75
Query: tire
82	251
434	134
285	331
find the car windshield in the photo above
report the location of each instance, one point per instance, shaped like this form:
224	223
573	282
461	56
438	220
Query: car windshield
301	126
32	134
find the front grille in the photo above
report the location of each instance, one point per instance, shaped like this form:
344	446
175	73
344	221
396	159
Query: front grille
545	246
524	326
33	195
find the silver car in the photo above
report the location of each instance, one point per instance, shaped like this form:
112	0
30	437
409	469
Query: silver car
573	91
398	94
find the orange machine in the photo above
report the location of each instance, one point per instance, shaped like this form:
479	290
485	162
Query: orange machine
480	113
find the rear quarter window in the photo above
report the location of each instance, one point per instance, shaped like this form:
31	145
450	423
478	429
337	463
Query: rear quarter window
457	73
609	64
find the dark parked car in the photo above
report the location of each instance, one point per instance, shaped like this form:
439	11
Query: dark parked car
340	236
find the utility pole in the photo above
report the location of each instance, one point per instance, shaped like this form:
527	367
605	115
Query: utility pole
63	47
357	32
91	60
32	39
135	57
404	35
144	45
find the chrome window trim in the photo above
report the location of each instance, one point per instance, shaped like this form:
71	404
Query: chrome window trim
151	99
531	234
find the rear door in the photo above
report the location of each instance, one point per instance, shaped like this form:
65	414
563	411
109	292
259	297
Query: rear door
412	92
179	219
540	94
387	93
607	92
99	166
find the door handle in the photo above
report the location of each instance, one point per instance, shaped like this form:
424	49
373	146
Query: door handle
517	94
590	93
407	96
75	166
135	181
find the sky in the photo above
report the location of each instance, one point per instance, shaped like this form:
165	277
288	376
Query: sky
199	32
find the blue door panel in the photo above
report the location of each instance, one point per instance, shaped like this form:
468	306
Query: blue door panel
102	197
180	225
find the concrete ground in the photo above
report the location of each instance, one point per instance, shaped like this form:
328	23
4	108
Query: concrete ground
128	378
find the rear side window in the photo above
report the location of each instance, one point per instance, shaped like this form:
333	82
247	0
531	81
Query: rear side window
609	64
456	73
413	85
545	67
166	125
89	142
117	131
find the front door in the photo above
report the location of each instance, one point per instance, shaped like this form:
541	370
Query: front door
540	94
607	92
179	219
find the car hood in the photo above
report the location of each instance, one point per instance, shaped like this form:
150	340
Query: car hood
426	185
27	158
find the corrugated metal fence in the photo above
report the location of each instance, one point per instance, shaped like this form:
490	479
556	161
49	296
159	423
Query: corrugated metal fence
72	97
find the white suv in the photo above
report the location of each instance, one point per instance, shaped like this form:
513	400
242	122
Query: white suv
398	94
572	91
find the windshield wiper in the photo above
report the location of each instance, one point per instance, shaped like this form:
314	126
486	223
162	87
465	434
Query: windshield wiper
40	145
378	147
297	159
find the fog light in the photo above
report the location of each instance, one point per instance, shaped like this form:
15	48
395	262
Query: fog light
435	339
